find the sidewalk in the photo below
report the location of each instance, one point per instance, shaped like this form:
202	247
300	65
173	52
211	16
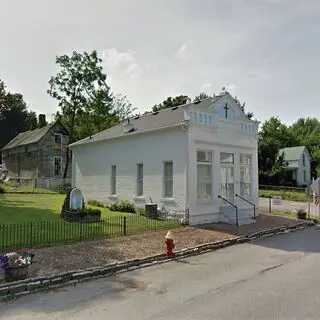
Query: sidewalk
82	255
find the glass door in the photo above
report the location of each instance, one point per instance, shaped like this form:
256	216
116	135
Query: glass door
227	176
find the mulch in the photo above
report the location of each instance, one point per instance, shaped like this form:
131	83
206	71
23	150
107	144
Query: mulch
81	255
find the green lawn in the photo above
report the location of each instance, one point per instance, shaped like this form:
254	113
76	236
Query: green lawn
34	219
286	195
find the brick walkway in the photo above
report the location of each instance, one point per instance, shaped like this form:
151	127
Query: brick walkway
82	255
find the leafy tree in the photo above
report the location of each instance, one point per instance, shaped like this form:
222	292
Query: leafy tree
273	136
170	102
86	102
201	96
14	115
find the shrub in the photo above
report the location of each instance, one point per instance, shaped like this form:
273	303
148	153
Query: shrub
91	211
63	189
123	206
141	211
2	189
95	203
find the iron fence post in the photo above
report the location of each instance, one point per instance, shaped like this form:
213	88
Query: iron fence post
270	197
124	226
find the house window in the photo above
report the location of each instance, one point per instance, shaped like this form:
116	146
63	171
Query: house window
140	179
204	175
245	175
304	161
113	180
227	175
168	179
57	166
58	140
304	176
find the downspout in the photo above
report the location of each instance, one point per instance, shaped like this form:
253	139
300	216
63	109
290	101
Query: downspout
185	128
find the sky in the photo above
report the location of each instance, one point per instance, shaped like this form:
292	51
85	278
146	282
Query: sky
265	52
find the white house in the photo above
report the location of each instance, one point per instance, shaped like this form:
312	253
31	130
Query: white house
199	157
298	166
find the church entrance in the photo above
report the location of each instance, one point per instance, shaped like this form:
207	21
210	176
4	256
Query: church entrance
227	176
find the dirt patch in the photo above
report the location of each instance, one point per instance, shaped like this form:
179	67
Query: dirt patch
52	260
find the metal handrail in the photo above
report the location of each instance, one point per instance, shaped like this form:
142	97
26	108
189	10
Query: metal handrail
237	218
254	206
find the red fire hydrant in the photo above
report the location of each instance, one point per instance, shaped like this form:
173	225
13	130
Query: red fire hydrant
170	244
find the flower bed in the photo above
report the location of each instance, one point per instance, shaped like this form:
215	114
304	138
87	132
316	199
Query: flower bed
15	264
85	215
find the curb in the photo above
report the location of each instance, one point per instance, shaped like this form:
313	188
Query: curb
16	289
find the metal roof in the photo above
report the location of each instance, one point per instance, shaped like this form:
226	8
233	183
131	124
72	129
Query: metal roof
292	153
146	122
28	137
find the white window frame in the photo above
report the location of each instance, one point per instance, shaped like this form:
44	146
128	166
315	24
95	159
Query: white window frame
166	180
54	166
207	161
54	139
139	191
303	160
246	166
227	166
113	180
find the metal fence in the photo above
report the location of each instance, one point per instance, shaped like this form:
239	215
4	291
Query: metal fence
44	233
281	188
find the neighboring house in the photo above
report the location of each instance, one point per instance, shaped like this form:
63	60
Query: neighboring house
38	157
183	158
298	170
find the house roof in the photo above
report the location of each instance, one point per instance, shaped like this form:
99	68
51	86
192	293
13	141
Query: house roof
292	153
150	121
28	137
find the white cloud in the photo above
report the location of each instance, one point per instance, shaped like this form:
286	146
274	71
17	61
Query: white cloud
113	58
182	52
231	87
126	62
152	65
206	88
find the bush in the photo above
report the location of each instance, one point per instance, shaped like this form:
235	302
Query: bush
91	211
64	189
2	189
123	206
95	203
141	211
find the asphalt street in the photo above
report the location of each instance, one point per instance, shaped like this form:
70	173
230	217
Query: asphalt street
273	278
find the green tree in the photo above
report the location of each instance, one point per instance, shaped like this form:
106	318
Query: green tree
307	133
85	100
273	136
170	102
201	96
14	115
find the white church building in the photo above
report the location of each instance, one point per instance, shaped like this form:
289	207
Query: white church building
199	158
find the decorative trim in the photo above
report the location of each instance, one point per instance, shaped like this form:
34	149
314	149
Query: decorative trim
21	288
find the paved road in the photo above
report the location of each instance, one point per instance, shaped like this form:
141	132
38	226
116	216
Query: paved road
273	278
288	206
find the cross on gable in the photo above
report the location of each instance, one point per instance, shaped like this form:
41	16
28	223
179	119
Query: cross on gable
226	108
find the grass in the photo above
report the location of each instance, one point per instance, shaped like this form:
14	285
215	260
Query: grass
293	215
10	187
286	195
34	219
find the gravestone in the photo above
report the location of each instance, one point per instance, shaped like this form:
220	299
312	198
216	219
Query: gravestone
73	202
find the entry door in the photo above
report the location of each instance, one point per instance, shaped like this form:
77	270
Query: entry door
227	183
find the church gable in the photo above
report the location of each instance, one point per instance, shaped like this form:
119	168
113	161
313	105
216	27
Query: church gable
222	111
